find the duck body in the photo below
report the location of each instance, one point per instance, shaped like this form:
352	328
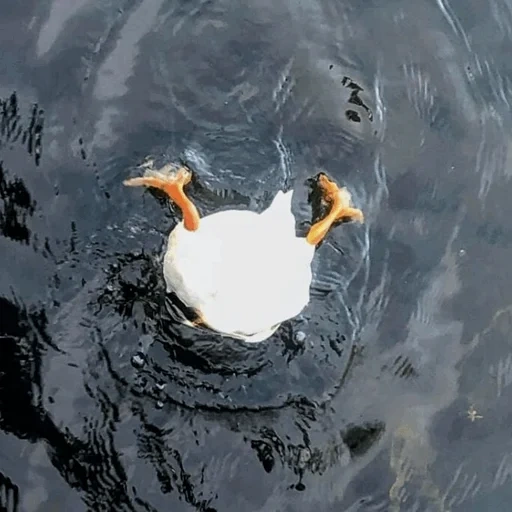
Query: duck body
243	272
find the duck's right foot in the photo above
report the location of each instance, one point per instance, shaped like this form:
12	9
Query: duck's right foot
341	209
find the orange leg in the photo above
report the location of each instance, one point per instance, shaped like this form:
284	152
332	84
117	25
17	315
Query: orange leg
339	199
172	184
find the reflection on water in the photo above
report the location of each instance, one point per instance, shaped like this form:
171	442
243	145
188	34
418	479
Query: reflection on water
390	391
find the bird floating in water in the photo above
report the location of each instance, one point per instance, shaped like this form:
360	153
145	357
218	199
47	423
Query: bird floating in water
242	273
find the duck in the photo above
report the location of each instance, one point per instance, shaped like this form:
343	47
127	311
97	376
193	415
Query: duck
242	273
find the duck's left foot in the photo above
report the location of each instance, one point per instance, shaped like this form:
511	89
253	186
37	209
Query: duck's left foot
341	209
171	182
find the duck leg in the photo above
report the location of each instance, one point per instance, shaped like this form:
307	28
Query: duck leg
172	183
339	199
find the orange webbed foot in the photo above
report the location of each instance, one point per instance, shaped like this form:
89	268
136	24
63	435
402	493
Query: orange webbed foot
341	209
172	183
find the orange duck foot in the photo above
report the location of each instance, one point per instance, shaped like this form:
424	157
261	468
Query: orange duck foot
172	183
341	209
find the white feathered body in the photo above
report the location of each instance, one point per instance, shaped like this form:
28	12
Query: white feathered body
244	272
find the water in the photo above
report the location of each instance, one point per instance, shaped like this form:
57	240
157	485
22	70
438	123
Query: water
391	391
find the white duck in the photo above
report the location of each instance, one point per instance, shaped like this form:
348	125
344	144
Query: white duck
243	273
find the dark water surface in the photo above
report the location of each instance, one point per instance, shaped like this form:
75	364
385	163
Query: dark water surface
392	391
